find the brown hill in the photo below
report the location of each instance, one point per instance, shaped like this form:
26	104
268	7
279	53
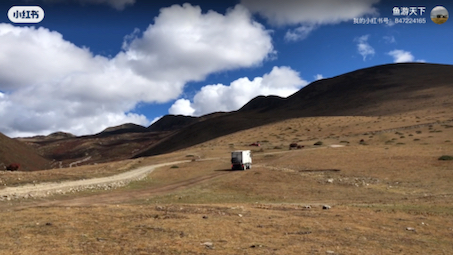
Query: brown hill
12	151
380	90
123	129
172	122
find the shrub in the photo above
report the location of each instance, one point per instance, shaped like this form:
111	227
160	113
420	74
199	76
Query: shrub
344	142
416	139
447	141
277	147
445	157
318	143
418	132
174	166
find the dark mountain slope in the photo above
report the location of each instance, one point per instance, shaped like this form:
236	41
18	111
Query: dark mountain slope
380	90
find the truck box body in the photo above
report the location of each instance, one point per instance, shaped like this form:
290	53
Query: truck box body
241	160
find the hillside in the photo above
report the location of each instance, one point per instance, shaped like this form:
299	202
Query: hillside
12	151
375	91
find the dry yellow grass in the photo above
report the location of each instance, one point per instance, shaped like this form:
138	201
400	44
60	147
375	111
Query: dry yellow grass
389	195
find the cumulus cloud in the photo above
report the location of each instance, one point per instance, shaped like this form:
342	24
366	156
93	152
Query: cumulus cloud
281	81
50	84
401	56
117	4
182	106
363	47
309	12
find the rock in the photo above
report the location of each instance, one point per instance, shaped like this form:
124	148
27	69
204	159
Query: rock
326	207
240	215
205	217
410	229
208	245
329	180
330	252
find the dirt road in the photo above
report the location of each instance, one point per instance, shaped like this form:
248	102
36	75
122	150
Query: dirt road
45	189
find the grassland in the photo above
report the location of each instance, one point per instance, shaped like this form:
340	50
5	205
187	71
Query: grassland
388	194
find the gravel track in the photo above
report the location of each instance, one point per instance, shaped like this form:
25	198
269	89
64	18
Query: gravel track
106	183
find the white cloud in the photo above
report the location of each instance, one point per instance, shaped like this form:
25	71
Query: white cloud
181	106
401	56
319	77
363	47
281	81
54	85
299	33
294	12
117	4
309	14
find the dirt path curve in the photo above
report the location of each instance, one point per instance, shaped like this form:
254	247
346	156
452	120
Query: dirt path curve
45	189
110	182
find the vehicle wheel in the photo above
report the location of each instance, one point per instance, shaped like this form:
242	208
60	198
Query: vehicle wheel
244	167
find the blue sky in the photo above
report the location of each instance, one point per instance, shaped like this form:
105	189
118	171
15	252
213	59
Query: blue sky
91	64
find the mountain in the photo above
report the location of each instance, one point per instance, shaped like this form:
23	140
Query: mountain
122	129
375	91
13	151
380	90
172	122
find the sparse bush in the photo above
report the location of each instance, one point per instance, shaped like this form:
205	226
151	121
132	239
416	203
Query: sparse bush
318	143
174	166
411	135
402	136
416	139
344	142
400	143
447	141
189	156
445	157
277	147
418	132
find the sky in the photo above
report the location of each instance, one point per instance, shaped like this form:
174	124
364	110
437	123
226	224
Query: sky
92	64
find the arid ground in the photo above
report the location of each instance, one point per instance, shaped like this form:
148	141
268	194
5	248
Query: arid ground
386	194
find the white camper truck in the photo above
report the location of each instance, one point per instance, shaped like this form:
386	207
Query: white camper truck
241	160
